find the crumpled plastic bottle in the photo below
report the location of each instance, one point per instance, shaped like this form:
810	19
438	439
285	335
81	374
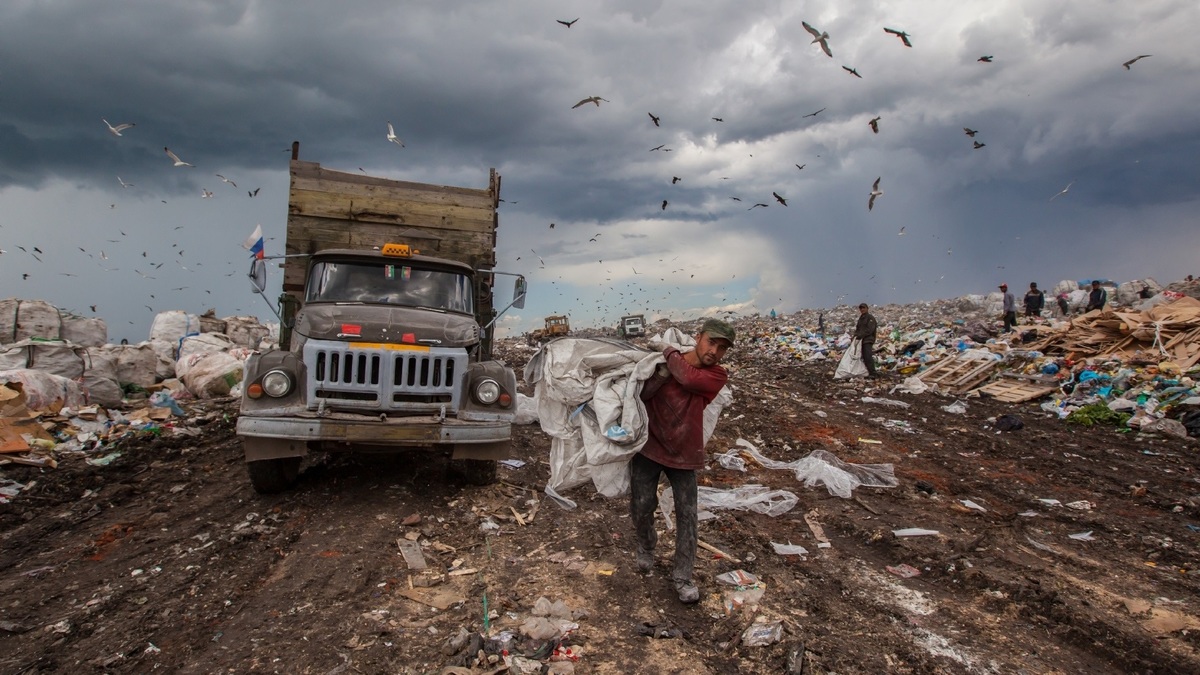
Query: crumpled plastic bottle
163	399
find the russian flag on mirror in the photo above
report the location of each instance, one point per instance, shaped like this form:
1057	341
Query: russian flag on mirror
254	243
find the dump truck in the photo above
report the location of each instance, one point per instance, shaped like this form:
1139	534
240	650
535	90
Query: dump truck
556	326
631	326
387	321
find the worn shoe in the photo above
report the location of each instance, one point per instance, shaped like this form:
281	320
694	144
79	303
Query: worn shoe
688	593
645	561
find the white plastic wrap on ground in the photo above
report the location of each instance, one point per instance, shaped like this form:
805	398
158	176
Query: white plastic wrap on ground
823	467
756	498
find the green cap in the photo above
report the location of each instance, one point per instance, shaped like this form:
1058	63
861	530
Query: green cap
718	329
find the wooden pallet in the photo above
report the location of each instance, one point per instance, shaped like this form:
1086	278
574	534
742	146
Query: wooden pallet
1012	390
958	375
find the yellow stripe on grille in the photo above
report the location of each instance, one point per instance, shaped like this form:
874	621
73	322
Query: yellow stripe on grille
389	346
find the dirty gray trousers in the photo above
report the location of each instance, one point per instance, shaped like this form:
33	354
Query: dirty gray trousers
643	499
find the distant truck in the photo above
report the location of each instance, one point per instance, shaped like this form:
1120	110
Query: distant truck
632	326
556	326
386	328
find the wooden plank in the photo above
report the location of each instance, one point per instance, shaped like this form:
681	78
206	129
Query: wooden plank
380	209
302	170
1015	391
410	192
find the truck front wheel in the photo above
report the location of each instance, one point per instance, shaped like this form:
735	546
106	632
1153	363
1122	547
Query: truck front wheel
270	476
476	471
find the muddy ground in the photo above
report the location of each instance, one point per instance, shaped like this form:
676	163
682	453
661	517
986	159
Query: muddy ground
166	560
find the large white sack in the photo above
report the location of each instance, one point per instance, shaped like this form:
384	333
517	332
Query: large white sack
172	325
245	331
24	319
59	358
100	383
84	331
1078	299
211	375
1064	286
203	344
851	364
135	364
45	391
165	351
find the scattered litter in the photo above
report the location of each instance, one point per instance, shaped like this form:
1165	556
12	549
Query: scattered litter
1082	536
757	498
1050	502
1081	505
411	551
810	519
512	463
1029	514
914	532
956	408
737	578
886	401
105	460
971	505
868	440
731	460
904	571
823	467
763	634
789	549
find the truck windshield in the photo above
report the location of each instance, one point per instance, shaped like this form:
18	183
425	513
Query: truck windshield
390	284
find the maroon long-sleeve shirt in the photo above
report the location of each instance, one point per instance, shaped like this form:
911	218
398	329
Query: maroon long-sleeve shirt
675	403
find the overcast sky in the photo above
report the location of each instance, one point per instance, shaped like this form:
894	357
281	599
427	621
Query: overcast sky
228	85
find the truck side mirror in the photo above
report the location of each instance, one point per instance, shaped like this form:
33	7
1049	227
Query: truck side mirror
258	275
519	290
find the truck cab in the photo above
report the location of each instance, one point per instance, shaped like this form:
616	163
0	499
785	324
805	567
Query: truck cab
631	326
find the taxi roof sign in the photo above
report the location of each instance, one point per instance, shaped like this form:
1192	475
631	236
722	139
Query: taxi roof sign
398	250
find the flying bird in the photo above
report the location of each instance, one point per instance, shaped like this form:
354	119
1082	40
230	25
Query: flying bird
1063	192
874	124
254	192
223	178
652	118
800	167
814	114
718	119
675	179
175	158
852	71
758	205
568	24
900	34
664	205
116	131
875	192
591	99
984	59
552	226
818	36
779	199
391	136
123	183
979	145
736	199
900	233
1126	64
205	193
970	132
659	147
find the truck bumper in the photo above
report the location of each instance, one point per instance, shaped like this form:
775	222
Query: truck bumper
399	432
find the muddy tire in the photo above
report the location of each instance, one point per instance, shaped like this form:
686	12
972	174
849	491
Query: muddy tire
475	471
270	476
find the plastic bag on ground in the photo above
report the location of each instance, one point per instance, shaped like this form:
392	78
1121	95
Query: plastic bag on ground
911	385
756	498
824	467
851	364
527	412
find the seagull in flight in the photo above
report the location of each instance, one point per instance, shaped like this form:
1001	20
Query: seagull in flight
591	99
874	124
225	179
116	131
175	158
1063	192
779	199
875	192
814	114
568	24
900	34
900	233
391	136
818	36
205	193
1126	64
852	71
123	183
718	119
659	147
984	59
800	167
758	205
653	118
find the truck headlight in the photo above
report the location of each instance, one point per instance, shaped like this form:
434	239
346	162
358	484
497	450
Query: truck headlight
277	383
487	391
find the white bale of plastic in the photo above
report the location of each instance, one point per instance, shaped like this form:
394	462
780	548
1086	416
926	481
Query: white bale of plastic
974	299
172	325
165	351
100	381
84	331
212	374
59	358
135	364
203	344
245	331
45	391
1064	286
1077	299
24	319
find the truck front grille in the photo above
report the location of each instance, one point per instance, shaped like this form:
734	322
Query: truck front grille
383	378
